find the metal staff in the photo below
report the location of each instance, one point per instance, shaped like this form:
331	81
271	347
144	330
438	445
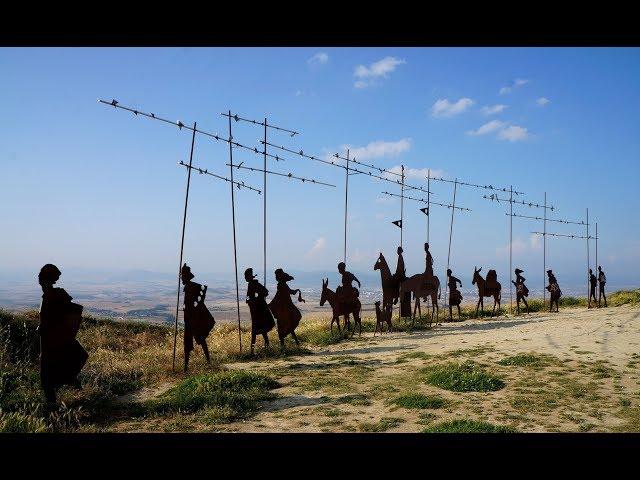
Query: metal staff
346	204
184	224
233	216
453	209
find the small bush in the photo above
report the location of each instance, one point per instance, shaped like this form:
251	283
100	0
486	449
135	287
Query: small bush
235	394
468	426
624	297
419	401
465	377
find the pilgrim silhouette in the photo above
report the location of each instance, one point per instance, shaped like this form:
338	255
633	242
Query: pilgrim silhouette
346	292
554	290
401	276
487	288
455	297
602	280
61	355
593	282
521	290
198	320
261	318
283	309
428	270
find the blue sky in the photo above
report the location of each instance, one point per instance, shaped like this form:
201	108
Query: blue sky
83	185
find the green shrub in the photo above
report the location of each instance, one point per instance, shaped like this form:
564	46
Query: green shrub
465	377
419	401
468	426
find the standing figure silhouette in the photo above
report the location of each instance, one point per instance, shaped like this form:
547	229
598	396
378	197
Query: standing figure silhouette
198	320
593	282
554	290
401	276
455	297
261	318
286	313
602	280
61	355
521	290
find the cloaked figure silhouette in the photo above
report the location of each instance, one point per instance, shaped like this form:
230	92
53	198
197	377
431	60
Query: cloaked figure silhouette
554	290
61	355
521	290
602	280
283	309
455	297
261	318
198	321
428	269
401	276
487	288
593	282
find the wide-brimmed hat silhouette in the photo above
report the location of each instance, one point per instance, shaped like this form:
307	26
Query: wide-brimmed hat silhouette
549	271
185	273
282	276
248	274
519	271
49	273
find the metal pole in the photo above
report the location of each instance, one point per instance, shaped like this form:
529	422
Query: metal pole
346	204
588	259
401	206
264	207
596	265
184	223
233	216
511	250
453	209
428	200
544	252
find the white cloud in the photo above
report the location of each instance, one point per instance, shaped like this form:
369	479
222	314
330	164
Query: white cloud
518	82
319	58
518	247
367	76
488	127
535	241
542	101
380	148
444	108
317	247
513	133
417	173
493	109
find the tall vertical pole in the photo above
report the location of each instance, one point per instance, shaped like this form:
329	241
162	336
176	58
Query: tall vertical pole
401	206
544	252
453	209
264	207
184	224
346	204
511	250
428	200
233	216
588	259
596	265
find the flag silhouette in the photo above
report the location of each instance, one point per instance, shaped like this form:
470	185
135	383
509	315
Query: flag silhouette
397	223
425	210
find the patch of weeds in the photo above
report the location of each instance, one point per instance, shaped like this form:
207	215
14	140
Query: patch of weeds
384	424
625	402
426	418
356	399
465	377
586	427
419	401
227	396
471	352
525	360
601	370
405	357
468	426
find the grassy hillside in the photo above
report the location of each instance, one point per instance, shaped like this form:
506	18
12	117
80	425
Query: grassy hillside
127	357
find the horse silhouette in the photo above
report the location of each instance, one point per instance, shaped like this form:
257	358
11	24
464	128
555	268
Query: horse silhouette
340	308
420	286
382	317
485	289
389	282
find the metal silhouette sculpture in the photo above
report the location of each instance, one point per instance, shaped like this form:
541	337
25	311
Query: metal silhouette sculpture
388	282
455	297
521	290
383	317
421	287
554	290
61	355
262	321
347	292
602	280
489	287
593	283
341	308
198	321
401	276
283	309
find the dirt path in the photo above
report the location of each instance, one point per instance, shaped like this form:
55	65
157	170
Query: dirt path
348	386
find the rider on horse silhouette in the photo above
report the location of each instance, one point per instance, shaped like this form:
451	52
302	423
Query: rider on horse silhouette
346	292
